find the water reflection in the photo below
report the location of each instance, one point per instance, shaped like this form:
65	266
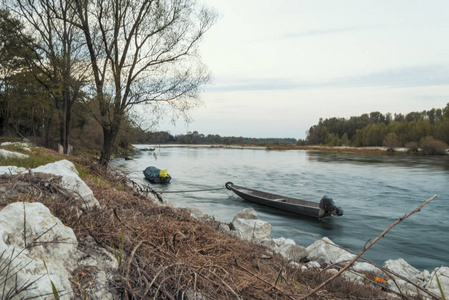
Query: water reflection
398	159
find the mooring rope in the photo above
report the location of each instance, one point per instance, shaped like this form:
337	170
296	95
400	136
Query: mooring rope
189	191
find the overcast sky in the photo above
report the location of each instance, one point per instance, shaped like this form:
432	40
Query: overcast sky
280	65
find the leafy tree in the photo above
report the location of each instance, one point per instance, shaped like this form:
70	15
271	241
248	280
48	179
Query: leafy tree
391	141
142	52
345	139
372	129
56	49
12	60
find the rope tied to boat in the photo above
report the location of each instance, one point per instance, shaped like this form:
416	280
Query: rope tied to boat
189	191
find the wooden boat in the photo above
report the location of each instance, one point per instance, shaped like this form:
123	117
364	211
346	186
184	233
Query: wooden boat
156	175
326	207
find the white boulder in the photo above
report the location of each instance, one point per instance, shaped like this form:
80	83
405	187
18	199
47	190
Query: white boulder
404	269
325	251
289	250
364	268
443	276
252	230
23	146
222	227
247	214
11	170
311	265
101	266
246	225
70	180
29	236
10	154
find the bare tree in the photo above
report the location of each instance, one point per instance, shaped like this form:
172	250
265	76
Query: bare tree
57	45
142	52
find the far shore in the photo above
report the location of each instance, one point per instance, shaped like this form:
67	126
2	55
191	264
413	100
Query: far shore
372	149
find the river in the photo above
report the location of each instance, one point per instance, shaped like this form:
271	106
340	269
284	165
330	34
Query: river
374	190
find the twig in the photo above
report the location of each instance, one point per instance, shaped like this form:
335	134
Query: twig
153	282
24	226
367	247
131	257
389	273
227	285
263	280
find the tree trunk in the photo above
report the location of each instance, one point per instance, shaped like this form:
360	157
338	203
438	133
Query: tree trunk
109	137
47	129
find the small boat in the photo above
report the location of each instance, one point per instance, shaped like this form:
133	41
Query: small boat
156	175
326	207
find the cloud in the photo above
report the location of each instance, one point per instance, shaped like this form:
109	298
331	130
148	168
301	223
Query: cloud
402	77
430	75
320	32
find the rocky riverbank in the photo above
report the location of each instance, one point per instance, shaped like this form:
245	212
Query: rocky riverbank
396	275
85	238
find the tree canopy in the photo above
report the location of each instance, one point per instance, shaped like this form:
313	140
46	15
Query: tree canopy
376	129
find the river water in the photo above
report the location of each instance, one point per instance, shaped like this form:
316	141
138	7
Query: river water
374	190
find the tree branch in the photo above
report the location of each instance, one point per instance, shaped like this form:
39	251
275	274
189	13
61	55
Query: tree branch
367	247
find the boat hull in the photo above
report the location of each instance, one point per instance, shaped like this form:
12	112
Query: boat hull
293	205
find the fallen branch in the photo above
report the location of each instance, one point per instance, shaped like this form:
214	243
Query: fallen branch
367	247
387	272
263	280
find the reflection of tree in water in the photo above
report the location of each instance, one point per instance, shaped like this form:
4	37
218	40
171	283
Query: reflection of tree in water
363	158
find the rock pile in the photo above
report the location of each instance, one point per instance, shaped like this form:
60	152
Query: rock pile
399	276
37	251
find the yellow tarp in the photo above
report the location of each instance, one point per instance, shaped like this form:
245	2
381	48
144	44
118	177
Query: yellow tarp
163	173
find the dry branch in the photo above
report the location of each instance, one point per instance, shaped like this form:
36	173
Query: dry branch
366	248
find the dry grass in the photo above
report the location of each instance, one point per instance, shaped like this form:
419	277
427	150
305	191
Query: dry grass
166	253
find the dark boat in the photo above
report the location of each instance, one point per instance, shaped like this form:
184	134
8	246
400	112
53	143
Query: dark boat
326	207
155	175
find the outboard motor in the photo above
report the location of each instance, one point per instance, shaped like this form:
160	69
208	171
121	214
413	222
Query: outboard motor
328	205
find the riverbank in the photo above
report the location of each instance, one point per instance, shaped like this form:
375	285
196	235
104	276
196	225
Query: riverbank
367	149
159	250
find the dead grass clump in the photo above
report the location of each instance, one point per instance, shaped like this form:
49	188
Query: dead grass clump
341	288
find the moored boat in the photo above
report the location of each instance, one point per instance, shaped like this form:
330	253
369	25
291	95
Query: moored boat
156	175
326	207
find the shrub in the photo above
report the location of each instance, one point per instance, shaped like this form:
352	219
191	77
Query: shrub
432	146
391	141
412	146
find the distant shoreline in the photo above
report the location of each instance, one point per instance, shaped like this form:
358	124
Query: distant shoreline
371	149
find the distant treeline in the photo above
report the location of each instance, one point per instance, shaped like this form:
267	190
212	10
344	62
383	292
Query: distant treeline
163	137
377	129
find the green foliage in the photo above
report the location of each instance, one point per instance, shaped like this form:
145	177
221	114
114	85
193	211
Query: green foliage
440	286
35	159
376	129
391	141
12	51
53	287
119	253
198	138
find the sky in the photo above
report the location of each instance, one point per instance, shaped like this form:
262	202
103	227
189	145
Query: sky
279	66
